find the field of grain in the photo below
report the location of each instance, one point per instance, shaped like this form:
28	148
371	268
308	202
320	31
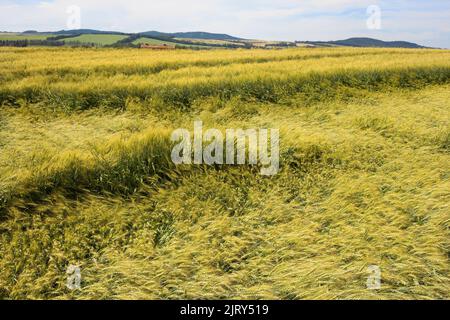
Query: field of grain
86	177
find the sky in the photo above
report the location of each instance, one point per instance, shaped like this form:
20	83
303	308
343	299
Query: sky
426	22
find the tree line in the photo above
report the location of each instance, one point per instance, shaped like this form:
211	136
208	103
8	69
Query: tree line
26	43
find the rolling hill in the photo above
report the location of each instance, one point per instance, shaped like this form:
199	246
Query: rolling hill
191	39
85	31
192	35
366	42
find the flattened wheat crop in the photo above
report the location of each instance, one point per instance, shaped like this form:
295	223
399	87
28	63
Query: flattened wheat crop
86	177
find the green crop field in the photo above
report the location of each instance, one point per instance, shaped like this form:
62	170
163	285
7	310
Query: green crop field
86	177
101	39
212	41
153	41
18	36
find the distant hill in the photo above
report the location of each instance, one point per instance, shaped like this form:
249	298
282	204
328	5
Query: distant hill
157	34
366	42
83	31
191	35
211	40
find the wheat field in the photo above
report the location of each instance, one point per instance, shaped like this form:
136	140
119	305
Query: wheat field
86	177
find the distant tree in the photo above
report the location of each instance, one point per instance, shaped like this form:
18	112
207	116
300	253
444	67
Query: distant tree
26	43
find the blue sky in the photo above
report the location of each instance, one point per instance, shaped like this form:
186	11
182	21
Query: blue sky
426	21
